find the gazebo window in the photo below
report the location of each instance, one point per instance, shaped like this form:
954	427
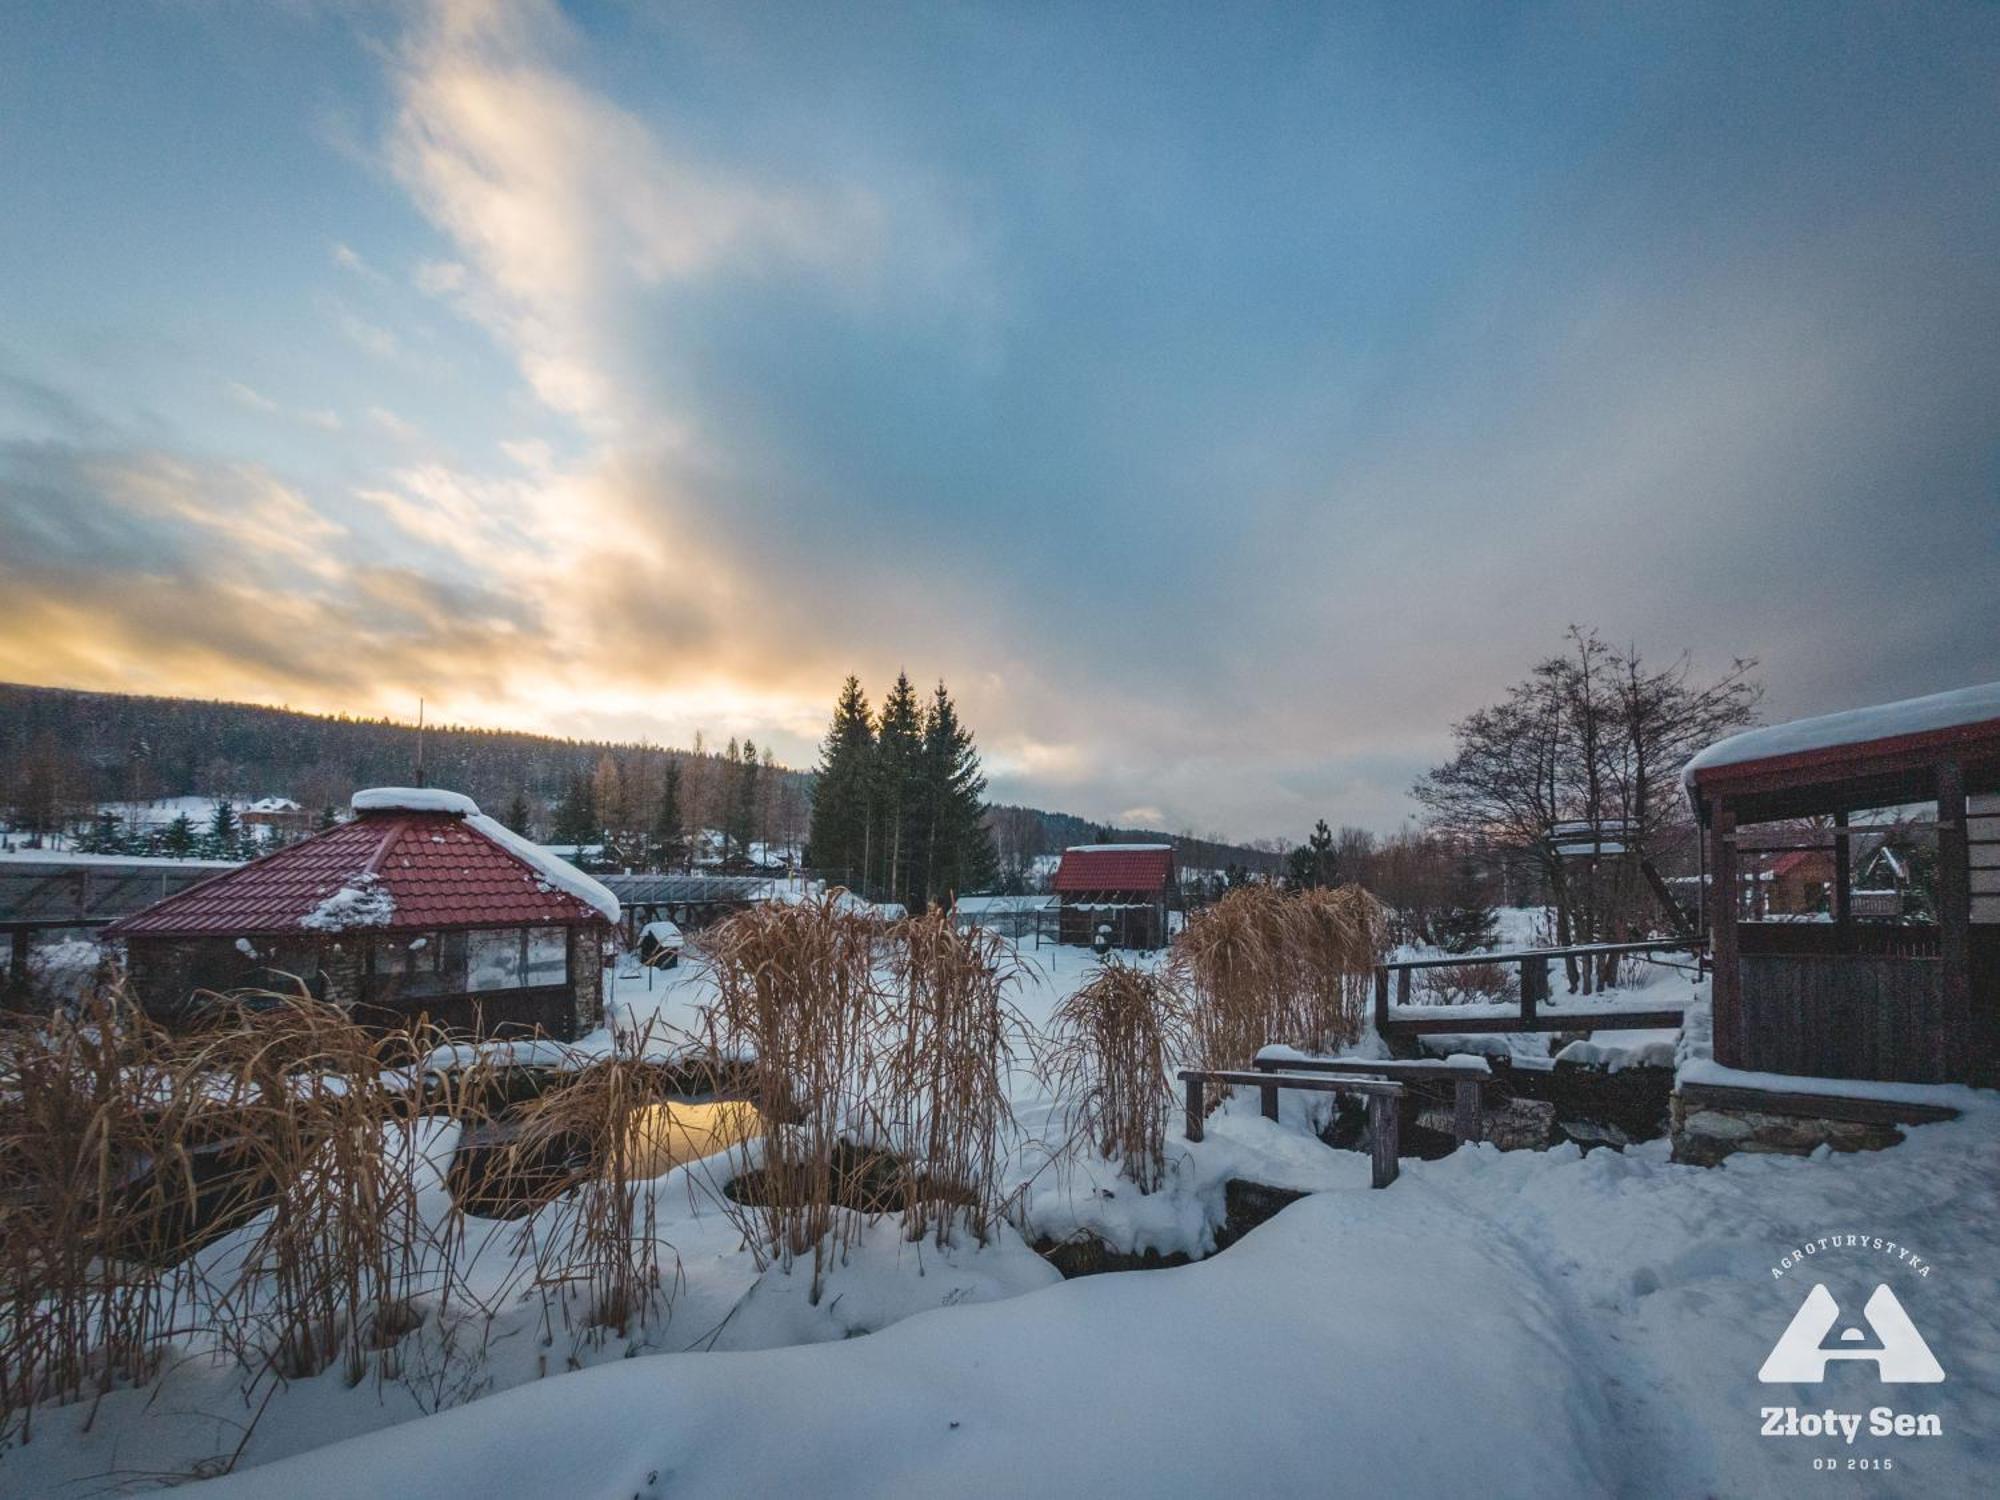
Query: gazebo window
512	958
419	964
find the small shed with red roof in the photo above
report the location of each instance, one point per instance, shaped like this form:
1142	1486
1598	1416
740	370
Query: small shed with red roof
1125	889
421	905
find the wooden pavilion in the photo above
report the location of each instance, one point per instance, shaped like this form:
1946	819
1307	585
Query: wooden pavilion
1848	996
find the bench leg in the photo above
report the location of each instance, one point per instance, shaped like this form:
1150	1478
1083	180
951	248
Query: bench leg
1194	1109
1268	1098
1383	1140
1467	1124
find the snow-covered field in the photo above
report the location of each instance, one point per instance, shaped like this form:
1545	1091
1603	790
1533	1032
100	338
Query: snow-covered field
1547	1324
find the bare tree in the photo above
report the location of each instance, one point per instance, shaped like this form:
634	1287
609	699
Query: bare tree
1589	744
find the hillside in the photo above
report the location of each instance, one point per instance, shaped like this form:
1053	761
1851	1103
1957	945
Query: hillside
116	747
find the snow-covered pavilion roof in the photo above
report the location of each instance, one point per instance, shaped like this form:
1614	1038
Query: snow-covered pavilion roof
1914	722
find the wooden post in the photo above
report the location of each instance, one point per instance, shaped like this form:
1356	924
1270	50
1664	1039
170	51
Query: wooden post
1534	989
1402	986
1466	1098
1381	997
1727	981
1954	909
1267	1098
1194	1109
17	967
1843	877
1382	1139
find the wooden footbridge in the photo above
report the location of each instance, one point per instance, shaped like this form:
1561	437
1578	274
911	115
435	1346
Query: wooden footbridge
1398	1017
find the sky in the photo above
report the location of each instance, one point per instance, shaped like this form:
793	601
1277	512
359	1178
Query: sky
1222	400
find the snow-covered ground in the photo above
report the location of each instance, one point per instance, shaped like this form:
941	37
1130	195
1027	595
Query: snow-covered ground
1546	1324
1514	1325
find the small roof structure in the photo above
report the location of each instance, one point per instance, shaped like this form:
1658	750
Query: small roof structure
1114	867
412	858
1882	756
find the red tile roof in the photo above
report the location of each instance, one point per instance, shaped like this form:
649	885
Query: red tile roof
1115	867
437	869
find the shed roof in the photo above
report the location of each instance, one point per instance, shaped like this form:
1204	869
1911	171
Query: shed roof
1115	867
1938	719
392	868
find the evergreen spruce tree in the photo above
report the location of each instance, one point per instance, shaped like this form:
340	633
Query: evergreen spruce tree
899	772
839	835
667	817
1313	864
179	839
225	834
517	814
741	825
955	852
1467	923
104	836
576	820
328	817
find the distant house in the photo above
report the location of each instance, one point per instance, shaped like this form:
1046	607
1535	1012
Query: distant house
1799	884
280	815
418	906
1125	889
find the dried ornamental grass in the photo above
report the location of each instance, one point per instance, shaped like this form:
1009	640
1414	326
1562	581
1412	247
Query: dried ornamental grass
942	1089
1266	965
325	1119
1112	1048
796	1008
90	1165
609	1122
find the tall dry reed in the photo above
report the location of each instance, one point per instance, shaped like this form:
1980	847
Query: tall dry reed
1110	1054
1266	965
796	1013
608	1129
951	1040
91	1169
321	1121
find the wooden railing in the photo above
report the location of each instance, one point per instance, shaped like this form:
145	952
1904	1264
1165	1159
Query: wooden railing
1383	1095
1533	964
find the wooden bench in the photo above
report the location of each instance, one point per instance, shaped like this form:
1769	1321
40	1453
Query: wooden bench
1468	1079
1384	1131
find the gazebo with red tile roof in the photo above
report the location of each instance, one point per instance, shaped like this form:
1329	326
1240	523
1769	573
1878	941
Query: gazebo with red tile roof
1126	889
420	904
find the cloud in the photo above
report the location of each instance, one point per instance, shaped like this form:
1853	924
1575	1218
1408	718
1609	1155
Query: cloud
1219	443
558	201
368	336
255	400
393	425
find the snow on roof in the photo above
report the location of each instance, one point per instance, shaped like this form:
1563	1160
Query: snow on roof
414	799
968	906
1855	726
1123	848
559	873
363	902
436	866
